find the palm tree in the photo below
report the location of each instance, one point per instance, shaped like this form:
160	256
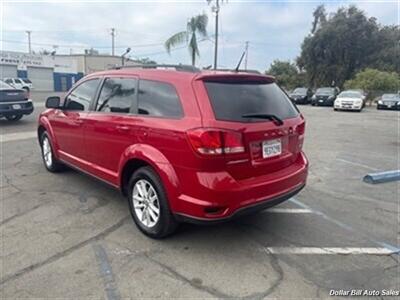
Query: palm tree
196	25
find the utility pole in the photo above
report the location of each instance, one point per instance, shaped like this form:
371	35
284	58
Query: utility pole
29	41
247	54
215	9
113	41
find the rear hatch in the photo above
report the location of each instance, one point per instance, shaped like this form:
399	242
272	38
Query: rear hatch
12	95
271	127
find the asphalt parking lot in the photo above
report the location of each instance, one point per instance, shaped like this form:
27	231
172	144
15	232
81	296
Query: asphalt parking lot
68	236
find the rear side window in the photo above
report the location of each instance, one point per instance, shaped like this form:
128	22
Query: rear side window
232	100
117	95
81	97
158	99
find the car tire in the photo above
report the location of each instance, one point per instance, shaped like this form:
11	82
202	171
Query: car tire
26	89
13	118
149	204
49	160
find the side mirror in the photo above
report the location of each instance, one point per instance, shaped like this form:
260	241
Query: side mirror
53	102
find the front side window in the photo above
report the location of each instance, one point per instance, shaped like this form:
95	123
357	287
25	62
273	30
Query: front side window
117	95
158	99
231	101
81	97
17	80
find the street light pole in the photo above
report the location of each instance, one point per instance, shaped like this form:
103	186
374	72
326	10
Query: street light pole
215	9
123	56
216	35
113	41
29	41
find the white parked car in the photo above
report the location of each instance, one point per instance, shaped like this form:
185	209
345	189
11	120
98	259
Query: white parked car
19	83
349	100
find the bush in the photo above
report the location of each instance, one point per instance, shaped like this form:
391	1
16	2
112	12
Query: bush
374	82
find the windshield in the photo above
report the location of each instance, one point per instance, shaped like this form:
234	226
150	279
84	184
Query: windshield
350	95
300	91
390	97
26	80
4	85
325	91
231	100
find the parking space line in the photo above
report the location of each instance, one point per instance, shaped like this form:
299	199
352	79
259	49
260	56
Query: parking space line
394	249
330	250
106	272
10	137
356	164
289	210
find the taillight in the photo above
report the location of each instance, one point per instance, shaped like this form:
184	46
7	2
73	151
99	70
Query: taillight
210	141
300	129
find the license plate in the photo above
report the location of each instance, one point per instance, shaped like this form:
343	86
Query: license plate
320	100
272	148
389	106
16	106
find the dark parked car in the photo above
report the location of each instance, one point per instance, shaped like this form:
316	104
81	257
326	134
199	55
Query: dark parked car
181	145
324	96
301	95
389	101
14	103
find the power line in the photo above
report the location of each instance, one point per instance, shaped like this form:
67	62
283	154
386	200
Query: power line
84	46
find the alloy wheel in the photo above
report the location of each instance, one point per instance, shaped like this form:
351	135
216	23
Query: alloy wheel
145	203
47	154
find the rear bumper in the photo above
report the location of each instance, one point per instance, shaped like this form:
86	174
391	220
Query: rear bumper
16	108
241	211
392	107
217	197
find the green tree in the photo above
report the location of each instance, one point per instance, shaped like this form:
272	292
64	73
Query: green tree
286	74
345	43
319	18
195	26
375	82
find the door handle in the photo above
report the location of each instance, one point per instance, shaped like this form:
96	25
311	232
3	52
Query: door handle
122	127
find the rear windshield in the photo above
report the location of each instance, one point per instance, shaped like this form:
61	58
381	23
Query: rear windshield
230	101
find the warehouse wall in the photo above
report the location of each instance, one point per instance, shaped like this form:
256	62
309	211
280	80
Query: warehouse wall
64	81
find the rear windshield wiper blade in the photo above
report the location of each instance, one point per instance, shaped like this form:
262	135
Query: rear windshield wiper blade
274	118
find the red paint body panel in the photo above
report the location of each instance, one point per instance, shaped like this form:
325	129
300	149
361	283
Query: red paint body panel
101	144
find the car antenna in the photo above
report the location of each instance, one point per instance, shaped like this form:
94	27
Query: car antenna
240	61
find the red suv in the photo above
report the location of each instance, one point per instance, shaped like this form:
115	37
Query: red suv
180	143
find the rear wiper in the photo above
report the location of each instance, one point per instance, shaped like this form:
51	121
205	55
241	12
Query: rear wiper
274	118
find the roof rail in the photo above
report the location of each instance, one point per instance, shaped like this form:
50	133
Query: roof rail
180	67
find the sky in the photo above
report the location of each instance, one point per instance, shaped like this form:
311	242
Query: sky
274	29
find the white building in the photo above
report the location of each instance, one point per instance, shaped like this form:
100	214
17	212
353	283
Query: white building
53	72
